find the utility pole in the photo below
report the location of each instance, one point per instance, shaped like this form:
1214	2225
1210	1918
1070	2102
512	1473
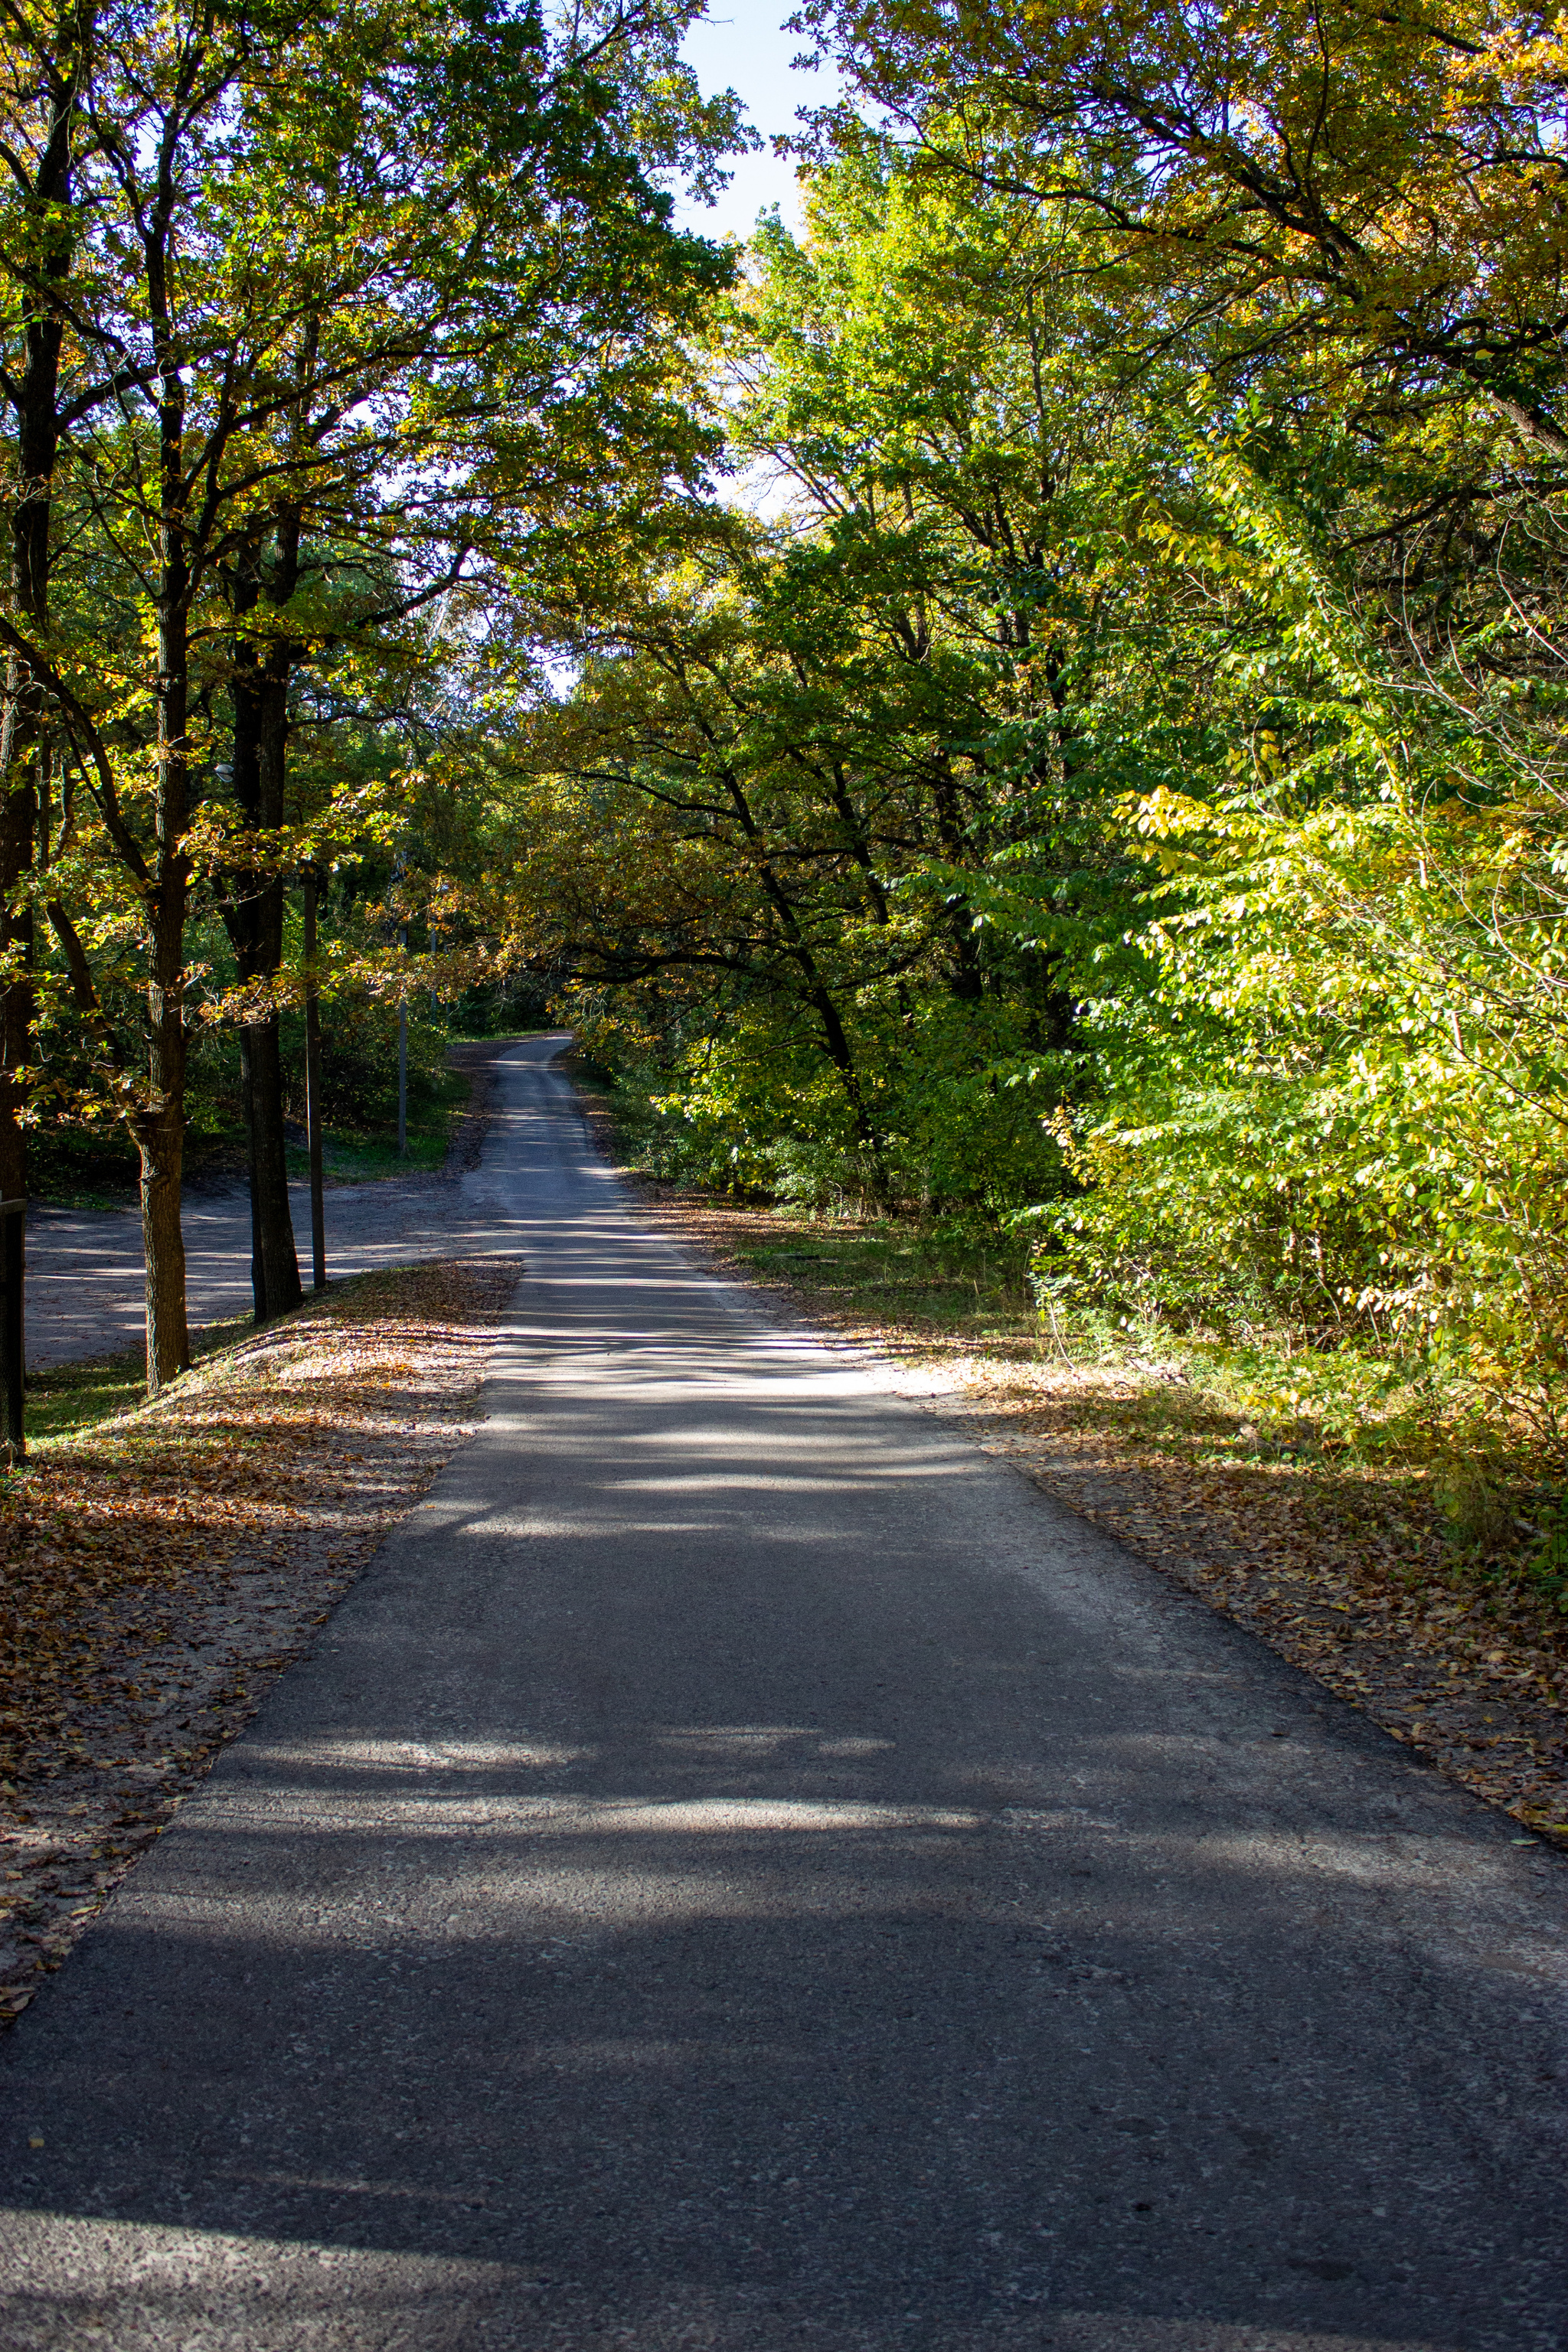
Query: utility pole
313	1093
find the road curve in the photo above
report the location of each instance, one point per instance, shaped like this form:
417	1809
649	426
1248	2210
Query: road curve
744	1873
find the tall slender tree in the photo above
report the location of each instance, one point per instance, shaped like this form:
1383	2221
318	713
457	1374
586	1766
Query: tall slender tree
45	62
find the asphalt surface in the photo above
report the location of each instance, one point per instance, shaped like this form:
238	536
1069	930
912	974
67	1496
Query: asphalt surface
87	1280
743	1871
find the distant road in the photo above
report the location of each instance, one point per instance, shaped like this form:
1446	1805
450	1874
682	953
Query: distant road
85	1278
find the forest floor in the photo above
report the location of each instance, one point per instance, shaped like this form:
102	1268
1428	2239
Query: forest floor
1344	1567
164	1562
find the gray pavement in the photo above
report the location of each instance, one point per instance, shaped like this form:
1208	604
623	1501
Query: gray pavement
743	1871
86	1283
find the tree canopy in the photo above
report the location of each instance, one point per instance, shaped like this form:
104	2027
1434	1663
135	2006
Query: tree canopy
1036	699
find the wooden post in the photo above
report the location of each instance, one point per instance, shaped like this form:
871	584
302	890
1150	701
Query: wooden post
313	1093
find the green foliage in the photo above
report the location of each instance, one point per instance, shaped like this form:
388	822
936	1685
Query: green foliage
759	836
1342	1103
1114	797
359	1066
1134	814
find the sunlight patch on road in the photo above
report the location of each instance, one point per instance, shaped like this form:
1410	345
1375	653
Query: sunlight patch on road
68	2278
421	1756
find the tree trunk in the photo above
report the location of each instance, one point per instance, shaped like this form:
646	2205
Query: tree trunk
160	1131
271	1167
34	393
254	920
269	1172
18	821
403	1061
313	1094
257	1263
159	1122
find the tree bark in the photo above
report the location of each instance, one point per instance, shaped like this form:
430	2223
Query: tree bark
158	1123
403	1061
313	1094
283	1286
254	916
44	264
17	823
274	1223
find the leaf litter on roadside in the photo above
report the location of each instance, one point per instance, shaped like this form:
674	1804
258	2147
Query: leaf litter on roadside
162	1567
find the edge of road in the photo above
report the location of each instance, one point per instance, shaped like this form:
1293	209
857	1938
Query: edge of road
937	1391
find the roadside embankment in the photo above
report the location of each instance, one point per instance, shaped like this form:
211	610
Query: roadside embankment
164	1561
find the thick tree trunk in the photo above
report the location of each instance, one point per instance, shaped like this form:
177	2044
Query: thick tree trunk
257	1263
160	1131
272	1163
274	1224
159	1123
19	749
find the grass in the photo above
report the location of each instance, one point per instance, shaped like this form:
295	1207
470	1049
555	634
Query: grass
66	1399
350	1157
1263	1396
950	1282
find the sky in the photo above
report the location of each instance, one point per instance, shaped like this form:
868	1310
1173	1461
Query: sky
740	46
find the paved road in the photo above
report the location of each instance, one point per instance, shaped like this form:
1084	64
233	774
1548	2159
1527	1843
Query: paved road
86	1282
742	1873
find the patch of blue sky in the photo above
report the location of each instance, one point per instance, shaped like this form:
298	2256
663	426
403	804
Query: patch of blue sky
743	46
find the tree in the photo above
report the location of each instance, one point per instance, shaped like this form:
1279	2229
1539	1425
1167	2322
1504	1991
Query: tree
347	323
1382	188
758	817
46	63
